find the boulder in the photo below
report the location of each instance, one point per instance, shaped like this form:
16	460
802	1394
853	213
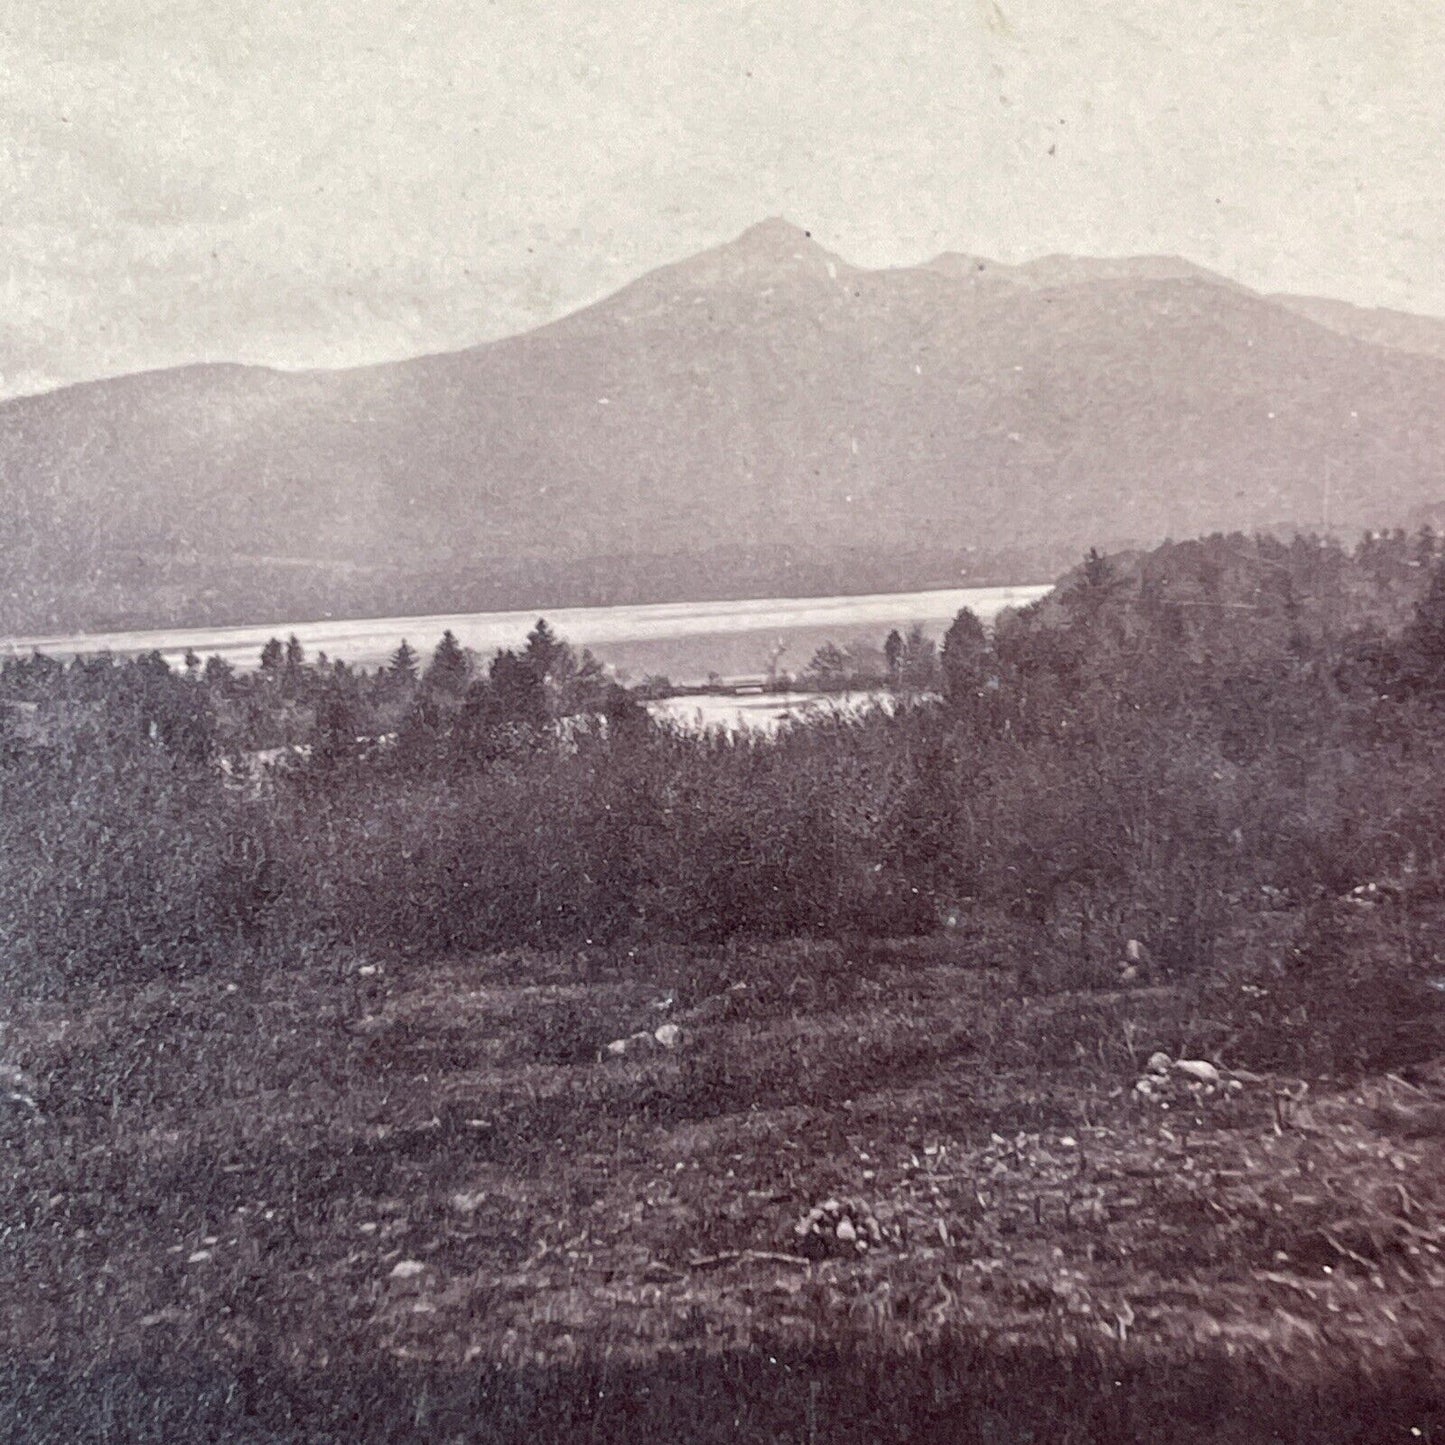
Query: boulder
1199	1069
1159	1063
668	1035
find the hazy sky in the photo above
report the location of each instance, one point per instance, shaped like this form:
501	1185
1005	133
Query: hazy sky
314	184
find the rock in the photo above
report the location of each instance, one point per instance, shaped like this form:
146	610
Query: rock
200	1256
1234	1086
407	1269
1159	1063
616	1048
1145	1087
1199	1069
17	1088
1135	966
669	1036
840	1228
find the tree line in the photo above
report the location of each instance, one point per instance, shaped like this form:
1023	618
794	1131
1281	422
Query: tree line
1226	748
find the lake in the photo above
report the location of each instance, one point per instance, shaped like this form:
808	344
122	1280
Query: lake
764	712
682	640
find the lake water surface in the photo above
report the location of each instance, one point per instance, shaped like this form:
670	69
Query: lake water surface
685	640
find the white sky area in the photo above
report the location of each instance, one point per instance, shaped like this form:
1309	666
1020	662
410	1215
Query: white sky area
314	184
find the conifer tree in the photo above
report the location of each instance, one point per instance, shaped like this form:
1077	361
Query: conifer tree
448	672
402	667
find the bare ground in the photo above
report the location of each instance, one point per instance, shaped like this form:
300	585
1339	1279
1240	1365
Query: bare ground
423	1202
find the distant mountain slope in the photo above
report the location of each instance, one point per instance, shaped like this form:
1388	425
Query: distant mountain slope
757	419
1424	335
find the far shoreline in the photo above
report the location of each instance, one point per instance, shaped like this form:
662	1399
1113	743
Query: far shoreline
368	638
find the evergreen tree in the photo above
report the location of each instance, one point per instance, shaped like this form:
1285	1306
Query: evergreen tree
918	664
448	671
544	649
1422	647
401	670
517	696
271	657
893	654
828	671
589	687
336	727
965	657
218	674
1098	571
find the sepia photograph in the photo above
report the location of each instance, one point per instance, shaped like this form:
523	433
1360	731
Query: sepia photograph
722	722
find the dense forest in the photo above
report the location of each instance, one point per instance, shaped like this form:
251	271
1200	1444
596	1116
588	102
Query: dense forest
1227	749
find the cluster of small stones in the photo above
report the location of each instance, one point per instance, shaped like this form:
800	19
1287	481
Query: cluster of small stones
17	1089
845	1227
667	1036
1167	1081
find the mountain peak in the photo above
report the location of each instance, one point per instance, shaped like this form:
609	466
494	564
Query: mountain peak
770	252
775	236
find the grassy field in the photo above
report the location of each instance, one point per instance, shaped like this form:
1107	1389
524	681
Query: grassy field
425	1202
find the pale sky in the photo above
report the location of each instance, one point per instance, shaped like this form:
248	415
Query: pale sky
303	183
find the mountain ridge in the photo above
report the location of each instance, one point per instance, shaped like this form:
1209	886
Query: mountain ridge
763	401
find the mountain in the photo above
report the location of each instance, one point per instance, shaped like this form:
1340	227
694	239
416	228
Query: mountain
1424	335
761	419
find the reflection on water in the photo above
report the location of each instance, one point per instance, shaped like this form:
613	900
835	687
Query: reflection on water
686	638
765	712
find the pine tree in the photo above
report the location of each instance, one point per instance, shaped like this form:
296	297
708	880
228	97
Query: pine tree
965	657
893	654
218	674
336	726
588	688
544	649
828	671
402	667
448	672
918	664
517	695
